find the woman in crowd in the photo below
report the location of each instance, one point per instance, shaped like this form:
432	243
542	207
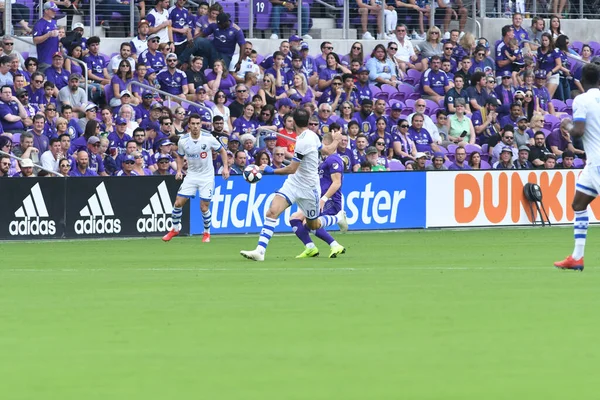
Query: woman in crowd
107	125
549	61
219	108
267	92
120	81
380	135
31	65
62	127
528	104
432	46
300	86
266	119
460	127
220	78
404	148
73	67
475	160
139	164
64	167
555	31
346	113
356	53
262	158
536	124
564	88
127	112
381	69
246	123
179	121
468	44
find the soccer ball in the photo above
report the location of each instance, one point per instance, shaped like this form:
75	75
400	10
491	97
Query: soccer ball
252	174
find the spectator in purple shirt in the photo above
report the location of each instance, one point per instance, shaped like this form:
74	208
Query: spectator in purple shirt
96	163
560	140
97	70
151	57
173	80
460	155
56	73
226	37
246	122
45	36
12	114
127	166
365	118
82	165
434	82
40	140
503	63
119	138
420	136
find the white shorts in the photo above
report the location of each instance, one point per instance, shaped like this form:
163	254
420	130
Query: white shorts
306	198
554	79
589	180
191	184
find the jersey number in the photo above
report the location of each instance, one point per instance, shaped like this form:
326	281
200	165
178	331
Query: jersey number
311	213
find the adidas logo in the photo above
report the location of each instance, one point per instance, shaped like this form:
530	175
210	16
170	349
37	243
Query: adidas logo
32	211
159	207
96	211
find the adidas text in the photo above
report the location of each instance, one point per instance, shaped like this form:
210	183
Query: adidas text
155	223
32	226
95	225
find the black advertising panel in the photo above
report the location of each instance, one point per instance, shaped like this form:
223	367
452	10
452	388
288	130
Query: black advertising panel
121	206
32	208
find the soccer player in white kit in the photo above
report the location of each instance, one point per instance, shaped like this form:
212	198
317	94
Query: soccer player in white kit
197	148
586	120
301	187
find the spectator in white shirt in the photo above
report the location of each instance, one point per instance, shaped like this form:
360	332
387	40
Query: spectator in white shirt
50	159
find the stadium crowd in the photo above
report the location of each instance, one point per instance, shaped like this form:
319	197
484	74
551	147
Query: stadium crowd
449	102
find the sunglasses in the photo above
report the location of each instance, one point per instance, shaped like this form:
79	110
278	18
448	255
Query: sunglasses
313	124
481	54
380	144
393	48
404	126
129	162
8	44
448	48
32	65
154	40
163	162
54	109
329	48
508	137
221	96
519	98
279	154
400	30
435	33
167	123
420	105
242	91
506	77
327	111
24	95
356	48
136	157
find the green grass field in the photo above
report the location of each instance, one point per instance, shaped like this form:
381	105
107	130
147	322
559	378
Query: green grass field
473	314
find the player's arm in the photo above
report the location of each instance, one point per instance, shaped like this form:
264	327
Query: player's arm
179	174
336	184
578	128
291	168
328	149
225	173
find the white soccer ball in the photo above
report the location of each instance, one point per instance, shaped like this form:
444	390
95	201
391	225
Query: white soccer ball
252	174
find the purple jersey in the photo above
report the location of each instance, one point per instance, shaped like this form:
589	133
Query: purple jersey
267	63
328	74
422	138
387	138
364	91
46	49
544	97
35	97
319	64
242	125
156	60
521	35
348	158
118	142
73	129
10	108
227	84
180	18
204	113
95	64
324	125
96	165
59	78
353	98
309	65
333	164
225	40
172	82
365	124
88	172
122	84
501	48
435	80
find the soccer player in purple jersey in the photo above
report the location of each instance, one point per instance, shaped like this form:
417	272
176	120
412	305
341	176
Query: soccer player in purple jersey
330	173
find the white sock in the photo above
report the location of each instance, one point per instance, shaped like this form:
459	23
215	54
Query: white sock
580	227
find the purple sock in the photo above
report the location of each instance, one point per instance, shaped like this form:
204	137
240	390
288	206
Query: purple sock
322	234
300	230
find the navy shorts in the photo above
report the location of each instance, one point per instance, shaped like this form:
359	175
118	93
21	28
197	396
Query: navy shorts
331	208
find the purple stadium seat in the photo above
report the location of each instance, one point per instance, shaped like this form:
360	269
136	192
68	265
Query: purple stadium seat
546	132
448	163
578	163
207	71
595	47
410	103
443	150
485	165
374	89
396	165
108	91
16	139
381	96
470	148
406	112
415	96
484	148
262	12
452	148
559	105
412	77
551	122
404	91
389	89
576	45
229	7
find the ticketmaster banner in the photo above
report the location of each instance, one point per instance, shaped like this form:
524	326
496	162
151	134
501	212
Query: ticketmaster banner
392	200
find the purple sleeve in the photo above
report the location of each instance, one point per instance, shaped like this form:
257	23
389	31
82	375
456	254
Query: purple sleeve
209	30
151	20
553	140
100	163
240	39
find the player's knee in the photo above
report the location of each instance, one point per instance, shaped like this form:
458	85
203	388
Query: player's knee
313	224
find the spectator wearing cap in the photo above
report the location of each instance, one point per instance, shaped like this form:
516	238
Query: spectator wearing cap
437	163
81	167
151	57
522	137
119	138
516	111
172	80
225	37
270	141
153	136
26	169
543	94
163	165
523	161
376	162
505	160
140	43
126	98
455	93
143	109
13	115
158	19
56	73
23	96
568	159
279	7
362	85
460	163
96	163
234	143
73	95
45	36
127	166
308	63
154	116
506	140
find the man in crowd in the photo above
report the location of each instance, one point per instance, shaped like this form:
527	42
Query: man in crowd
12	114
459	164
507	140
4	165
73	95
40	140
51	158
26	169
239	163
45	36
171	79
523	161
82	164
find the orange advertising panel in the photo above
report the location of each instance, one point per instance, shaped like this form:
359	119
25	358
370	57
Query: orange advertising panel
487	198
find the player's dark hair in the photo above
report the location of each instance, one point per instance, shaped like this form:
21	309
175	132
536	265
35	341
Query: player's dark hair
193	116
590	76
301	117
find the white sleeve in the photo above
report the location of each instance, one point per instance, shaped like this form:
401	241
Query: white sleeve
215	144
579	109
46	161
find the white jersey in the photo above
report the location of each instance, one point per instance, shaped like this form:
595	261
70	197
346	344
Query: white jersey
198	153
585	108
159	18
307	153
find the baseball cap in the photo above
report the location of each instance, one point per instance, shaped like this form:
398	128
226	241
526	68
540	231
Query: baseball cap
222	18
90	107
492	101
285	102
171	55
26	162
506	149
519	93
165	142
152	126
125	93
438	154
526	148
521	118
541	74
366	102
156	106
295	97
396	107
506	74
234	138
75	76
142	22
162	156
120	121
371	150
200	89
420	155
77	25
147	95
149	71
154	36
270	136
58	54
362	69
128	157
295	38
50	5
20	92
303	46
93	140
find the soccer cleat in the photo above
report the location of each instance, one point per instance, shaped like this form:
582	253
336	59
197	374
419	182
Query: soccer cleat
314	252
206	237
253	255
570	263
342	221
172	233
337	250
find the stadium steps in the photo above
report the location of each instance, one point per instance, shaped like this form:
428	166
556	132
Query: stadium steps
324	28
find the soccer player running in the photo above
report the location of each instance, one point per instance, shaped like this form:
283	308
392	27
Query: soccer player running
330	172
586	121
197	148
301	187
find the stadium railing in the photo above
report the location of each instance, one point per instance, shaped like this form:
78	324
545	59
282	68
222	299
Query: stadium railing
34	164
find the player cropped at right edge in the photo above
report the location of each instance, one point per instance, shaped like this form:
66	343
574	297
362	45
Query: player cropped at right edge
586	119
302	186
